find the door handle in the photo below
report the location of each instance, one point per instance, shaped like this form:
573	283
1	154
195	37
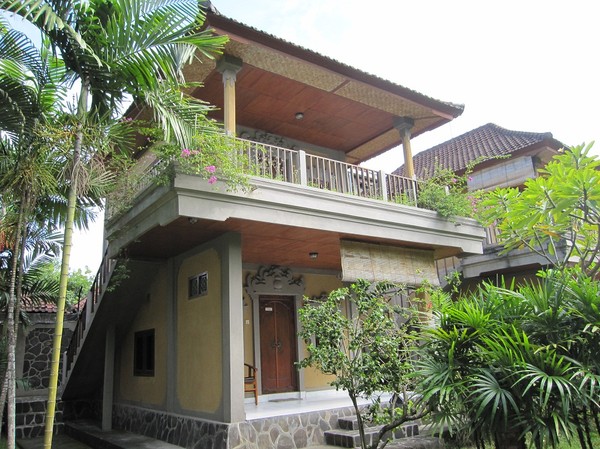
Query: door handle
276	344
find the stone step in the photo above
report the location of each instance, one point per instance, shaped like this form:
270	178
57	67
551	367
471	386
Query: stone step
418	442
90	434
351	437
351	423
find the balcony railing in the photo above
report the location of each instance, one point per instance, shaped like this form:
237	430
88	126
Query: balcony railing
301	168
87	313
491	235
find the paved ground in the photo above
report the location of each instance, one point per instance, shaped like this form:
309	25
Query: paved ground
65	442
58	442
128	440
94	437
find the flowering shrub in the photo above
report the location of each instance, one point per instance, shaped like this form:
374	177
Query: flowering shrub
447	194
214	156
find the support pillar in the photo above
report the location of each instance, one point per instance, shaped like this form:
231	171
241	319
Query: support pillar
109	377
229	66
233	329
404	125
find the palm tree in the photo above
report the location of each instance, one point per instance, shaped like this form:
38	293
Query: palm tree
28	171
118	50
34	285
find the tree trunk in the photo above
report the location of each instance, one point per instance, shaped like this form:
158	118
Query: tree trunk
3	394
64	268
12	338
361	424
60	313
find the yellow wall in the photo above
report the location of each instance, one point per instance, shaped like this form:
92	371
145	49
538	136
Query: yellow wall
199	336
150	390
316	285
248	327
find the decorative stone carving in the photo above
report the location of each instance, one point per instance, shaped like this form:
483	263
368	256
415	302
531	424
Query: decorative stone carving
271	139
274	280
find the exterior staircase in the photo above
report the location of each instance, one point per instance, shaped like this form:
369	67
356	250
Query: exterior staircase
83	362
86	315
405	436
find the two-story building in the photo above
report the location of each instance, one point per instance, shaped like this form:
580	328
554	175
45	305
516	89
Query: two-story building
199	280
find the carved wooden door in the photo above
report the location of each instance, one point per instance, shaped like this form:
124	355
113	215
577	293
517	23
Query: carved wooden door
277	344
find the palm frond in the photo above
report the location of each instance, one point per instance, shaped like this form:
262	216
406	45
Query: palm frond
179	116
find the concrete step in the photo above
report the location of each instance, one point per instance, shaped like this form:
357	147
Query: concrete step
345	437
90	433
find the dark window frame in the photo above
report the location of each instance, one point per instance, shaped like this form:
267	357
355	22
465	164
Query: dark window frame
144	353
198	285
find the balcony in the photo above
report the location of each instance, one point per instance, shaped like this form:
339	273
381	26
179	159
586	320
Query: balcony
299	167
304	169
294	200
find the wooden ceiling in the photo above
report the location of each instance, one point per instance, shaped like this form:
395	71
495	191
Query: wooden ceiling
344	108
269	102
262	243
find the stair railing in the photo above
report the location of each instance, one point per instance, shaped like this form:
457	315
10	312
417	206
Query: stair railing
86	314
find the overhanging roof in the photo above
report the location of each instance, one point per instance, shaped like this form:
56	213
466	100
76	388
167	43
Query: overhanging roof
344	109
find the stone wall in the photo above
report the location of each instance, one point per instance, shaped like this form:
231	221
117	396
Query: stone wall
38	356
31	414
286	432
34	358
179	430
283	432
34	353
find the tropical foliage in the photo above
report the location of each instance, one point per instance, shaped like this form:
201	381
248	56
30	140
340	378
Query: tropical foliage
28	175
505	364
364	338
446	193
117	52
557	214
80	280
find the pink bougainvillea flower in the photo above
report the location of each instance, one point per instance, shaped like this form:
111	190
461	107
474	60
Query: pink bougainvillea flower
453	180
212	179
470	178
210	168
185	152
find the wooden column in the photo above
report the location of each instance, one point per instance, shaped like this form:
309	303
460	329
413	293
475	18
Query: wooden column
404	125
229	66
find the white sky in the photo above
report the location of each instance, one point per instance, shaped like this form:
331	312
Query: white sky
526	65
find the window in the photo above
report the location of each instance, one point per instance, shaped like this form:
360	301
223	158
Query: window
143	353
198	285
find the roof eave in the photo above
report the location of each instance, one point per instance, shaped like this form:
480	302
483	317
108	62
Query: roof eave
445	110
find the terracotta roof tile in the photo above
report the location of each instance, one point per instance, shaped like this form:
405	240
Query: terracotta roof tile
485	142
30	306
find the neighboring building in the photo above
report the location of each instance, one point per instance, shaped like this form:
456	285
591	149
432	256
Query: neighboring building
208	279
508	158
33	360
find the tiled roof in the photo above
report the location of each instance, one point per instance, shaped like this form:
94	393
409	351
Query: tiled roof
30	306
485	142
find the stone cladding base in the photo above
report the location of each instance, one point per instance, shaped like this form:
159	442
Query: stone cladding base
281	432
